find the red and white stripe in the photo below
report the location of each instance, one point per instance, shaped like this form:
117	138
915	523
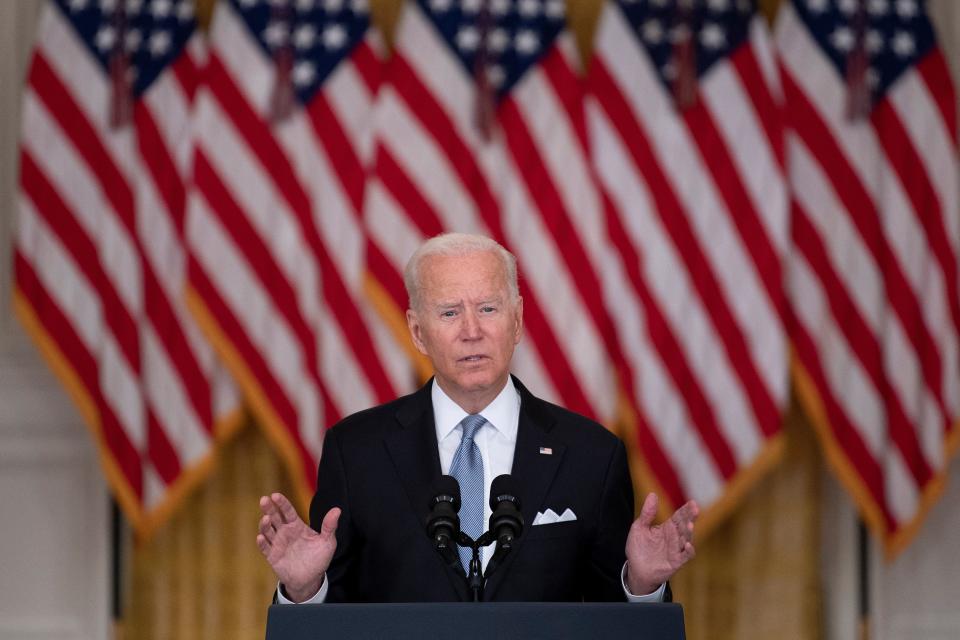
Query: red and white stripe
696	209
873	278
99	263
277	246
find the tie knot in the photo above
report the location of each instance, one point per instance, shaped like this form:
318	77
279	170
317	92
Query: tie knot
471	424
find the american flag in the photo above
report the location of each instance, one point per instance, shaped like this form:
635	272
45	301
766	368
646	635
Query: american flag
99	255
479	128
687	145
278	252
873	276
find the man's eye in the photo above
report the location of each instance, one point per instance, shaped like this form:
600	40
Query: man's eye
447	314
487	309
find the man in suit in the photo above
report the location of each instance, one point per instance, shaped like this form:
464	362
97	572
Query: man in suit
379	469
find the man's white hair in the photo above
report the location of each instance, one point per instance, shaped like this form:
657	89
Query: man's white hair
457	245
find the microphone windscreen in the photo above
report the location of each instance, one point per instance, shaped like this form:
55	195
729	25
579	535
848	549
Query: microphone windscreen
448	486
502	488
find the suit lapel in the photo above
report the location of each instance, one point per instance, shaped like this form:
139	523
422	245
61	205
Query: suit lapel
533	472
413	448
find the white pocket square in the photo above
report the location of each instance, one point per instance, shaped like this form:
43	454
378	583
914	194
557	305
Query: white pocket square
550	517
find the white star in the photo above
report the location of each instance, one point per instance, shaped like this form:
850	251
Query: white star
77	5
529	8
304	73
160	9
679	33
133	7
712	36
496	75
359	7
468	38
816	6
498	40
305	5
906	8
842	39
555	9
527	42
105	39
333	6
669	70
440	6
878	7
304	36
159	43
108	6
849	7
874	41
471	6
652	31
276	34
185	11
334	36
903	44
132	40
500	7
718	5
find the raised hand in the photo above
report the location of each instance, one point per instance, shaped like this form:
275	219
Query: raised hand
656	552
296	553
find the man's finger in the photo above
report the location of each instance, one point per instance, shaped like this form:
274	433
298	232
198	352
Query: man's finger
263	544
287	511
329	525
648	512
266	528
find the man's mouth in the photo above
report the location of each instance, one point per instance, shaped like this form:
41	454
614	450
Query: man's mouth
473	358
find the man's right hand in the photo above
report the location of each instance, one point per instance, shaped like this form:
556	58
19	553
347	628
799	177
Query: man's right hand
298	554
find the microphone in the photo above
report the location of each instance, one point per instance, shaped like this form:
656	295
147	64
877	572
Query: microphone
506	521
443	523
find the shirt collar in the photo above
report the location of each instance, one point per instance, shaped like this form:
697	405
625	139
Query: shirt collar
501	413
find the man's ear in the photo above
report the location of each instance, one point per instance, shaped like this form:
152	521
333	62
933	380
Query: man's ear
413	324
518	331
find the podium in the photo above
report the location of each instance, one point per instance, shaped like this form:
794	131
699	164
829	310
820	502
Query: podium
469	621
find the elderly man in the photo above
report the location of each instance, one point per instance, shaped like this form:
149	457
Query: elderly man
474	421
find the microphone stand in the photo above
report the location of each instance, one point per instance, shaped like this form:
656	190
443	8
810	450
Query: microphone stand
476	580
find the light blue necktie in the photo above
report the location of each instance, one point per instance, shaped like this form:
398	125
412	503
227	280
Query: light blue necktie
467	468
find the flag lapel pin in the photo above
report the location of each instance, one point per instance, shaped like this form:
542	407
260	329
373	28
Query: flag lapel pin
547	451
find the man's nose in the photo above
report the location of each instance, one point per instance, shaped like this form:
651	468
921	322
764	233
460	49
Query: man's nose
470	329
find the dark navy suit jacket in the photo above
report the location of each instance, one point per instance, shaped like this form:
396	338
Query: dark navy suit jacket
381	465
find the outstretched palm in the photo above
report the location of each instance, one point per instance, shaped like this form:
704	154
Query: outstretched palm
298	554
656	552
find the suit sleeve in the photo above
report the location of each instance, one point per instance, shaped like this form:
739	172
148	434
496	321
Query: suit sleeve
613	519
333	491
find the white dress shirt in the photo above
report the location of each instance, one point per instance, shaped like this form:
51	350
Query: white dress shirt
496	440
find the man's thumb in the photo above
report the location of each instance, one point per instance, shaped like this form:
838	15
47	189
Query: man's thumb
649	509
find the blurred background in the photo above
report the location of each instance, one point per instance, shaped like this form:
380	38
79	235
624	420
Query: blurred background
737	228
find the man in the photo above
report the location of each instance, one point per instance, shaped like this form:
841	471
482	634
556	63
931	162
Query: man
473	420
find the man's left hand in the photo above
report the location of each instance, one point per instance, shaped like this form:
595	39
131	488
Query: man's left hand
656	552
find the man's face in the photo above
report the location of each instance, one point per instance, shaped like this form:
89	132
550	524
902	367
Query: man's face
467	325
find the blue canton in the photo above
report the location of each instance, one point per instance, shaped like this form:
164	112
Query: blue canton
151	32
509	42
717	28
896	34
318	33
